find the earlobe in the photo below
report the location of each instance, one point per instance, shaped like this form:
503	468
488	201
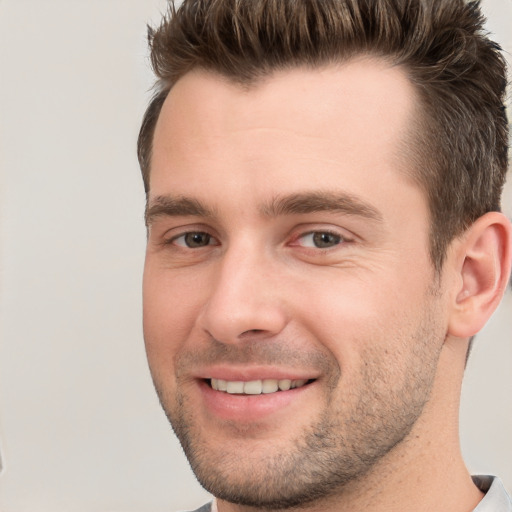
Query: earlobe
483	263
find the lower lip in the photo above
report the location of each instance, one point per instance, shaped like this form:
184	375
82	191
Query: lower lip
249	408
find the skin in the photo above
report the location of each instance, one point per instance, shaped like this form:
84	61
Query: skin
286	240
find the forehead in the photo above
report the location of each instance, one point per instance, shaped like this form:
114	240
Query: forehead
329	90
297	128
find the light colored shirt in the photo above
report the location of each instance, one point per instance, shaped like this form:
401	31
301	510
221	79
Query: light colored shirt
496	498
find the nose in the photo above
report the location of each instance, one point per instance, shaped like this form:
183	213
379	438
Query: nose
244	300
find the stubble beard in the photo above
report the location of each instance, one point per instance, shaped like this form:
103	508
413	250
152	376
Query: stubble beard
342	446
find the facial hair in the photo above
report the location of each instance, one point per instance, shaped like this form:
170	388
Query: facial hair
355	431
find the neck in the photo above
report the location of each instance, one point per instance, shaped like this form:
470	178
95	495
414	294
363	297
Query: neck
425	471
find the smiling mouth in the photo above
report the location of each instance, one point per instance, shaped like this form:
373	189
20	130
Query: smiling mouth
256	387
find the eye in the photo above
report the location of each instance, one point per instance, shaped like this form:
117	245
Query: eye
194	240
320	239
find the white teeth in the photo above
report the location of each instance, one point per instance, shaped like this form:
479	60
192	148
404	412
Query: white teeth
270	386
256	387
285	384
298	383
235	387
253	387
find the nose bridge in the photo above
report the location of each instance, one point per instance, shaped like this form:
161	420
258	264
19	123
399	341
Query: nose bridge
244	296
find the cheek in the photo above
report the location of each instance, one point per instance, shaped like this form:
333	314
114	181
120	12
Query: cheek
169	312
348	314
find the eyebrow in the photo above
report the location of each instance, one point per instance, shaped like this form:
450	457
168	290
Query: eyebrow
311	202
170	206
292	204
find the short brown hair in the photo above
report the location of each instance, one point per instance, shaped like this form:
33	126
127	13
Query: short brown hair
459	147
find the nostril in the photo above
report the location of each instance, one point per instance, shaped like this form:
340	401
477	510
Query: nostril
252	331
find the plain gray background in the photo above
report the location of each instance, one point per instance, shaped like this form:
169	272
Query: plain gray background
80	426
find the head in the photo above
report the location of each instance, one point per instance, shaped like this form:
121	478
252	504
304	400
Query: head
300	333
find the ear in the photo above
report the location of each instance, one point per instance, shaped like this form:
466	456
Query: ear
482	262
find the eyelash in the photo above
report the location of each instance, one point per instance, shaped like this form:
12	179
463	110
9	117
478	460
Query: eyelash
339	239
172	240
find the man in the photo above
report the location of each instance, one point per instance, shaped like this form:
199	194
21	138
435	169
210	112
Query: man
324	238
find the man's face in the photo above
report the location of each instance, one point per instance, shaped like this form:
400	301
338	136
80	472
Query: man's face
288	257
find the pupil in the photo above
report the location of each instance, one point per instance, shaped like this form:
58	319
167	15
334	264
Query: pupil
197	239
326	239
